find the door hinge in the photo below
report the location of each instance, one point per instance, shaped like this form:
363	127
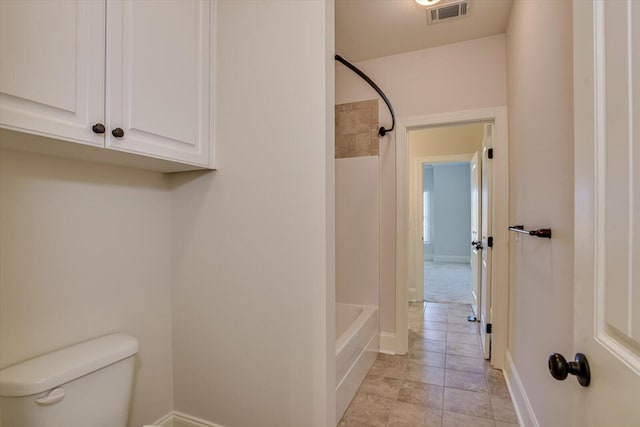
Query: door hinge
489	328
490	241
490	153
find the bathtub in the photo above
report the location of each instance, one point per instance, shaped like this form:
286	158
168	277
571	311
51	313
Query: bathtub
357	342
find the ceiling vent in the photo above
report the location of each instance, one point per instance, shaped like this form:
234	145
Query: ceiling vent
447	11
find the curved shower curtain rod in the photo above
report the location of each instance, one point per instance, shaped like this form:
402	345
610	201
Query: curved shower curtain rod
382	131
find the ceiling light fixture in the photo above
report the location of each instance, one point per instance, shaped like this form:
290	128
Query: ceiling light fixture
427	2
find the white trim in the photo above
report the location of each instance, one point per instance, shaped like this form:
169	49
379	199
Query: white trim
166	421
524	410
178	419
213	88
460	259
500	221
387	343
449	158
402	240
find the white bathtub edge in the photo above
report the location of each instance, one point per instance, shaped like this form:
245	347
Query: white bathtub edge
351	382
343	339
356	350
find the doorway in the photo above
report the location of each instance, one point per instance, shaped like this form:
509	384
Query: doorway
447	218
440	159
450	263
445	215
407	247
446	227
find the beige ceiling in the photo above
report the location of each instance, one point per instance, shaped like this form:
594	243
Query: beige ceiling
368	29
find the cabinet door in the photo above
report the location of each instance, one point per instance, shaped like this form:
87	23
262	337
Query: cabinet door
52	68
158	73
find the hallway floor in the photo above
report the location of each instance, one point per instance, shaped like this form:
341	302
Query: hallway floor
447	282
443	381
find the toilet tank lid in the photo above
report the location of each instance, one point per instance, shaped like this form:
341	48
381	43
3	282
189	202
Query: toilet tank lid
59	367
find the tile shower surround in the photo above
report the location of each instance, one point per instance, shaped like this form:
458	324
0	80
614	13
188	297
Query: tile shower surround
357	129
443	381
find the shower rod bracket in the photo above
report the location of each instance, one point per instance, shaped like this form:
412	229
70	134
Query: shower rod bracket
382	131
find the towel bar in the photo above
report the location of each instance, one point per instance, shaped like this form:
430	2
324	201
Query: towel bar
542	232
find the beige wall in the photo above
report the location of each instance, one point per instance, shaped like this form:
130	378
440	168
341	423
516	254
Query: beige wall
84	251
455	77
253	260
445	140
540	85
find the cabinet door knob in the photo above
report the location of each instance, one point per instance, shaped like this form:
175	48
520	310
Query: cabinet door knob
117	132
98	128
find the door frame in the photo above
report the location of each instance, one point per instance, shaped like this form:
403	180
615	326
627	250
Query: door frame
499	221
416	211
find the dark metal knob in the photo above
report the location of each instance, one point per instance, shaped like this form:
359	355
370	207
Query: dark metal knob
477	245
560	368
117	132
98	128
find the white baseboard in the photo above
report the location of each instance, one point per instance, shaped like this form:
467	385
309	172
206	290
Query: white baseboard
178	419
452	258
524	410
388	343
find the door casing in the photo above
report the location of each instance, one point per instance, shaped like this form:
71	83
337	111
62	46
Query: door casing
500	221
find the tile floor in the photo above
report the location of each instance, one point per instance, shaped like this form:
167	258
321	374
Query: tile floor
443	381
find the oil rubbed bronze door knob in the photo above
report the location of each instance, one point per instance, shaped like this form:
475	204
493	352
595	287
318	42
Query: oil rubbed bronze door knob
560	368
98	128
117	132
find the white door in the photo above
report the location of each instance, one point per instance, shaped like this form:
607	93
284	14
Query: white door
607	210
52	68
419	235
476	257
485	286
158	72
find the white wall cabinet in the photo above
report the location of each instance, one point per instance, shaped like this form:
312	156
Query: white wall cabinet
52	68
142	69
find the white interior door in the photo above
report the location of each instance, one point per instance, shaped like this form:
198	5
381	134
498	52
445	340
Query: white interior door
419	233
607	210
485	282
476	257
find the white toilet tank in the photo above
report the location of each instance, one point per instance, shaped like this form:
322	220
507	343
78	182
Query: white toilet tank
85	385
